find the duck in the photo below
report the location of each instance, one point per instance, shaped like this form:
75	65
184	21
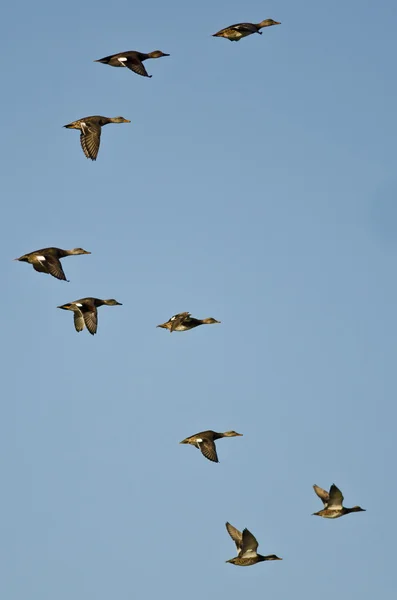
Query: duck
131	59
85	312
333	503
234	33
205	442
247	546
47	260
183	322
90	128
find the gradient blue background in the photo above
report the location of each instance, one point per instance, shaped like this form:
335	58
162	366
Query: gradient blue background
255	184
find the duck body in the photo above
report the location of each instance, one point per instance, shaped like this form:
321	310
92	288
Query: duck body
90	132
236	32
85	312
205	442
184	322
247	545
47	260
131	59
333	503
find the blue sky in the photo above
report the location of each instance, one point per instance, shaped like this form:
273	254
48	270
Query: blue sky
255	184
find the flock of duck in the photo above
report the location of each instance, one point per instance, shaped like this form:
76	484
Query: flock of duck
48	260
90	127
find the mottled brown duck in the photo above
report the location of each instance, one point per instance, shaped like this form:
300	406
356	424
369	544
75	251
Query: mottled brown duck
205	442
47	260
184	322
333	503
236	32
131	59
247	547
85	312
90	132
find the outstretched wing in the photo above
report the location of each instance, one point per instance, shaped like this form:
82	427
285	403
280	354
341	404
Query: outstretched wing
134	64
322	494
236	536
335	498
49	264
250	543
55	268
90	138
78	320
208	450
91	320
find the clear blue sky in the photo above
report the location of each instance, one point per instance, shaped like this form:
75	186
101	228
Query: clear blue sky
255	184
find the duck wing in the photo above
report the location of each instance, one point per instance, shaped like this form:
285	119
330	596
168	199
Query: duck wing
244	27
78	320
134	64
250	543
208	450
176	320
322	494
335	498
90	138
236	536
90	316
55	268
50	265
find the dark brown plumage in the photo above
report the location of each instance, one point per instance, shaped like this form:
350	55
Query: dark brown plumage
205	442
247	546
131	59
90	128
85	312
47	260
184	322
236	32
333	503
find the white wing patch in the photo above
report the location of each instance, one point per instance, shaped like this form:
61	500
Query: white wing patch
249	554
199	440
122	60
40	257
78	304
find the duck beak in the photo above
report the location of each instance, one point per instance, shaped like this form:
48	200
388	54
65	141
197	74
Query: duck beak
277	23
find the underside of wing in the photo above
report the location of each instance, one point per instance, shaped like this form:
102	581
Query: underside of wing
55	268
208	450
90	139
40	267
78	320
322	494
137	66
236	535
91	320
